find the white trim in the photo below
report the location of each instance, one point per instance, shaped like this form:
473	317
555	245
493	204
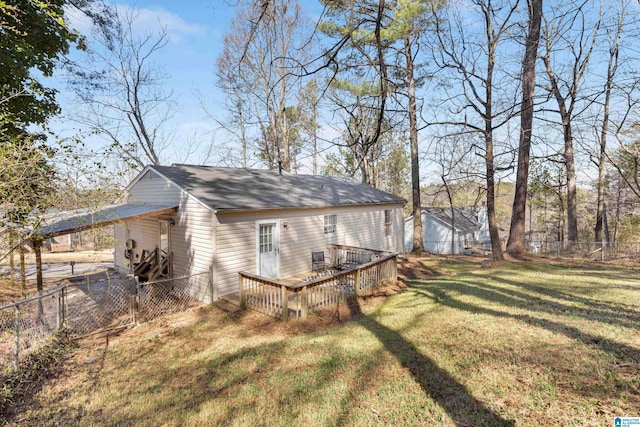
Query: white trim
276	243
335	225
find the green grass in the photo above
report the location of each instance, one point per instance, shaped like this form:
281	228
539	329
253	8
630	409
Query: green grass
517	344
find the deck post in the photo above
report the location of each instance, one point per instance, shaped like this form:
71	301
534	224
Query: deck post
356	283
284	294
243	301
304	310
394	271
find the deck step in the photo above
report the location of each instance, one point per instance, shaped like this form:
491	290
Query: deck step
227	306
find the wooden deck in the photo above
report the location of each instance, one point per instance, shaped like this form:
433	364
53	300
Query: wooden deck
295	296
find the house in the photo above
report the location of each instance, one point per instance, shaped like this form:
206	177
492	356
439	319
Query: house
228	220
437	224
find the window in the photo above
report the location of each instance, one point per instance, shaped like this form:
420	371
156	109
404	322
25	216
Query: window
330	223
387	222
266	238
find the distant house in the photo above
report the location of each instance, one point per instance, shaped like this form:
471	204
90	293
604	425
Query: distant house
225	220
437	225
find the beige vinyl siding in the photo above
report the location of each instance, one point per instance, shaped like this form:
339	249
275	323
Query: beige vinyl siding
144	231
192	238
153	189
301	232
364	227
120	262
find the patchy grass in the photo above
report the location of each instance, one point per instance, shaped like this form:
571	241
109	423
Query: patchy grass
515	344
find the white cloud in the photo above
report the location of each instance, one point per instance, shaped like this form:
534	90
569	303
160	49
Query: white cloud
149	20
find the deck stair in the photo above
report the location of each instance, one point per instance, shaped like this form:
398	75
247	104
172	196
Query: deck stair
154	265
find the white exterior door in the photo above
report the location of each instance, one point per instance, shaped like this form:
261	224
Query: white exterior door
268	248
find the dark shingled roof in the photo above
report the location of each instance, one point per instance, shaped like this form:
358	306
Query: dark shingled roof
465	218
253	189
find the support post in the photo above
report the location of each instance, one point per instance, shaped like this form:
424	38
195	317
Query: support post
243	302
356	283
394	273
284	293
304	309
59	310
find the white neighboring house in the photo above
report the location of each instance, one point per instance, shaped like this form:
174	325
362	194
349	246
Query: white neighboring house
436	230
229	220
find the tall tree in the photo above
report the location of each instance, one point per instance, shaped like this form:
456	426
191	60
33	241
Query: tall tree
569	40
516	243
380	46
620	88
120	91
256	71
472	60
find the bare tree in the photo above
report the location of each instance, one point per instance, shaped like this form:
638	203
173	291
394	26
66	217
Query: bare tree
121	95
616	87
516	243
470	60
255	70
569	40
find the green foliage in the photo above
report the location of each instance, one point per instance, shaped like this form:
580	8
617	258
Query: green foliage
26	177
34	35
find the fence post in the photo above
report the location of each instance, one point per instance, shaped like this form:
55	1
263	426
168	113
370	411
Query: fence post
602	257
16	342
212	288
58	310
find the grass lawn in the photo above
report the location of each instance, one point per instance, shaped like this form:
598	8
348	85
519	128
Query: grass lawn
517	344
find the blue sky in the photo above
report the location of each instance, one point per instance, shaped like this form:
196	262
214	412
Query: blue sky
196	29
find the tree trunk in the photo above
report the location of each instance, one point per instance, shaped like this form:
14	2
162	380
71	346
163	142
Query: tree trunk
516	244
496	244
611	72
572	197
38	250
418	244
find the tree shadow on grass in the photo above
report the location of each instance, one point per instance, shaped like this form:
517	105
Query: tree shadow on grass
564	303
440	290
436	382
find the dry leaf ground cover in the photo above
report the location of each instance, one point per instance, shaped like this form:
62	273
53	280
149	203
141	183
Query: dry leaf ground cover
521	343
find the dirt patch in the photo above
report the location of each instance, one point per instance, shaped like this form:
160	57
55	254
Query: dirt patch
105	255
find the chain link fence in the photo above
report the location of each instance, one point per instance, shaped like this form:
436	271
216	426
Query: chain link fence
162	297
588	250
27	325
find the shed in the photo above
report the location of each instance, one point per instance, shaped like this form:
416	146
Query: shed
437	225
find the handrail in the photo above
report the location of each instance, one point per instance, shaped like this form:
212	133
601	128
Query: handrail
322	291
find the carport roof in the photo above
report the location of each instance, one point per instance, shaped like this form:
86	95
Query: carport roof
105	216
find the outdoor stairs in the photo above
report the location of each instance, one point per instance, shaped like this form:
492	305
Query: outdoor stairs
155	265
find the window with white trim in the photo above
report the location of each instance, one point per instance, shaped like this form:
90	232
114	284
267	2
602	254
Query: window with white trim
387	222
330	225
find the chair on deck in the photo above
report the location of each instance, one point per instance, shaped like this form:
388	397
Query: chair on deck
317	261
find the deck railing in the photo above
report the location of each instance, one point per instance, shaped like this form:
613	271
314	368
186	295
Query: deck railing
294	300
